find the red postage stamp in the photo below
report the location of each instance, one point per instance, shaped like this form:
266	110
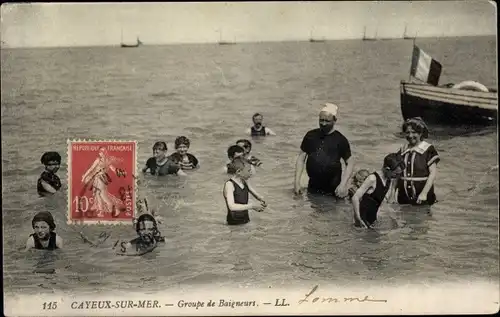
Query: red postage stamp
101	182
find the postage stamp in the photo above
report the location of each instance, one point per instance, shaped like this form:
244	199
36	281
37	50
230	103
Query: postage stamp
101	182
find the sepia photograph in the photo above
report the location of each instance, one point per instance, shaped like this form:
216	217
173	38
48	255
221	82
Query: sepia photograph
250	158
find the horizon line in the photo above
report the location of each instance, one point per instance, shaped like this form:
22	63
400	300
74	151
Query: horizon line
309	40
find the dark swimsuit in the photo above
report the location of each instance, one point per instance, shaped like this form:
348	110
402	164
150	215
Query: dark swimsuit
240	197
169	167
370	203
52	242
51	179
261	132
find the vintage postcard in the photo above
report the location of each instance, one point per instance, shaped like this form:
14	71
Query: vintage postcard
250	158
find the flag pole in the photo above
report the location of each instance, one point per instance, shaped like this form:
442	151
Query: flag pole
412	50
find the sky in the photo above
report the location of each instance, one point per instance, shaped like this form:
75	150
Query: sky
96	24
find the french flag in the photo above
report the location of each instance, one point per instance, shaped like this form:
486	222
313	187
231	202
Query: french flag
424	67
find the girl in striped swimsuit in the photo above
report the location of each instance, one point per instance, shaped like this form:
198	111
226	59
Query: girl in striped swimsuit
185	160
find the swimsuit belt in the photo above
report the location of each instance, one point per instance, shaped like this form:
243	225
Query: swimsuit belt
417	179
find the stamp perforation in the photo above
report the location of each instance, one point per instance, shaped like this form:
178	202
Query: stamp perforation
133	193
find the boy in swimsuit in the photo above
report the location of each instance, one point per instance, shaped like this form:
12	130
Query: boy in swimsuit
48	182
236	193
160	164
186	161
369	196
247	146
44	237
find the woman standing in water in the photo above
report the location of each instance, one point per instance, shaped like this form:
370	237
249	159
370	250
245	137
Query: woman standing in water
97	175
416	186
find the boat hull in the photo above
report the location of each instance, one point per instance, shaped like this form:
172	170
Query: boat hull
442	105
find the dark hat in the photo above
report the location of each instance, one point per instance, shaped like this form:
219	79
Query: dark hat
46	217
49	157
393	160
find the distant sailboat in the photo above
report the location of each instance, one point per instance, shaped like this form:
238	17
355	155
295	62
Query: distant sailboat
369	38
137	44
221	42
313	40
406	37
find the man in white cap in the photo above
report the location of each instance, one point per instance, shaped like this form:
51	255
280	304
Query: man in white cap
322	149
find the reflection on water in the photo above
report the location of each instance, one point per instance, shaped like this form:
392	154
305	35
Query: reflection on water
209	94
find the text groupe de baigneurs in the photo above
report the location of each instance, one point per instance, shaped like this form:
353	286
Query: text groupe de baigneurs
222	303
107	304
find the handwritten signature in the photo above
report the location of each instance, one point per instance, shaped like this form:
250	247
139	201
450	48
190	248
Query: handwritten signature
308	298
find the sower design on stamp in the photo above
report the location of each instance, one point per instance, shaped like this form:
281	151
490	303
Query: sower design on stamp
101	181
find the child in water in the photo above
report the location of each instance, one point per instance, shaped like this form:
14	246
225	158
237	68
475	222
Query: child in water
48	182
357	180
148	237
369	196
160	164
247	146
186	161
236	193
233	152
44	237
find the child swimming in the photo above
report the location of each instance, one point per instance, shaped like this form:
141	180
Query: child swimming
247	146
186	161
369	196
44	237
160	164
147	240
48	182
357	180
236	193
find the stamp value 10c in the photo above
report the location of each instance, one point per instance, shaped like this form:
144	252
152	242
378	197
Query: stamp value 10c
101	181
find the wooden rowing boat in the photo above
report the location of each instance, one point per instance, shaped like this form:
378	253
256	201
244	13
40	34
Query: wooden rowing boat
468	103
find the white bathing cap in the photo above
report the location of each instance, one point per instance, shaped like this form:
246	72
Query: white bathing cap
330	108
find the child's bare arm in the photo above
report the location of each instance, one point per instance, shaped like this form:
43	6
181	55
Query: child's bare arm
229	197
180	172
30	243
48	187
59	242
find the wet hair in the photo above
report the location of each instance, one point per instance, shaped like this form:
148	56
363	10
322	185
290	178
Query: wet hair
46	217
233	149
236	165
182	140
160	145
50	156
246	143
393	160
361	175
418	125
257	115
147	217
